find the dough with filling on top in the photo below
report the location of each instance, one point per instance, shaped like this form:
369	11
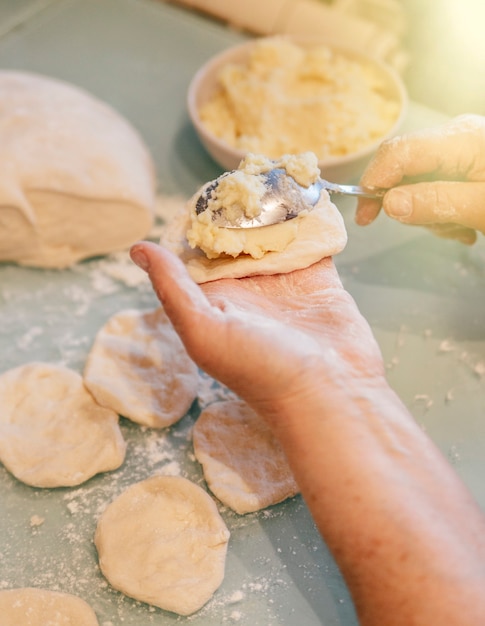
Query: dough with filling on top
243	464
77	179
138	367
29	606
163	541
52	432
318	234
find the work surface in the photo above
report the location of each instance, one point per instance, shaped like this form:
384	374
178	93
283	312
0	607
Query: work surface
424	298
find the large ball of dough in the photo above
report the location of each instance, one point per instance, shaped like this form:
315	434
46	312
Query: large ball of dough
76	179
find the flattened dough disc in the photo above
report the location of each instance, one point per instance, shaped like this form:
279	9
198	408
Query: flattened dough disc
52	432
243	464
162	541
139	367
39	607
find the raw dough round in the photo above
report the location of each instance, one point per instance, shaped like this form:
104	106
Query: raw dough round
243	463
163	542
52	432
38	607
77	180
138	367
321	233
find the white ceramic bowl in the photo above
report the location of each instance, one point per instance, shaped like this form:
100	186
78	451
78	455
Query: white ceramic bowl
337	169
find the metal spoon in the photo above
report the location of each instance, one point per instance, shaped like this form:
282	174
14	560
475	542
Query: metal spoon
283	201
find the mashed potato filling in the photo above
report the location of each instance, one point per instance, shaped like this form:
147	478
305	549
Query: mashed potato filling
239	194
290	99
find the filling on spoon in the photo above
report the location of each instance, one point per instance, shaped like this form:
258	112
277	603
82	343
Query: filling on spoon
239	195
211	252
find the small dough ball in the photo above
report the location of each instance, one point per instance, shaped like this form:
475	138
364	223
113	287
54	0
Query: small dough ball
77	179
138	367
163	542
243	464
52	432
38	607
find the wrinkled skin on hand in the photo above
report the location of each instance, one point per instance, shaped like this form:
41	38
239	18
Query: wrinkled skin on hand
298	330
439	175
406	534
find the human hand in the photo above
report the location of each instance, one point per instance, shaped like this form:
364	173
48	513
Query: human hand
295	347
271	339
436	179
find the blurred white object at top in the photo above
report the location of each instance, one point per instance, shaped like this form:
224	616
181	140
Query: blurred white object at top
376	26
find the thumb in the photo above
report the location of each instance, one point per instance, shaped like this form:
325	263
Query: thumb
186	306
441	202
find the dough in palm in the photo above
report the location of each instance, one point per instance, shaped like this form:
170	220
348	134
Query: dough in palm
211	252
39	607
162	541
320	234
77	179
243	464
138	367
52	432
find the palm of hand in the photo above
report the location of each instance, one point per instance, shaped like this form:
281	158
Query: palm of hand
298	330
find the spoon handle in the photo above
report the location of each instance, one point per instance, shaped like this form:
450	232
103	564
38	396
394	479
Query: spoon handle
354	190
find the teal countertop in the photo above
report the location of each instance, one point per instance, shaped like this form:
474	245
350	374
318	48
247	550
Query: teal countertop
424	298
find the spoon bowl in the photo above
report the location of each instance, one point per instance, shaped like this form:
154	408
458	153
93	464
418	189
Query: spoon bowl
284	199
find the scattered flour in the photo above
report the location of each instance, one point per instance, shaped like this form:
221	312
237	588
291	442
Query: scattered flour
424	400
446	346
25	342
479	369
449	396
36	520
117	267
237	596
235	616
